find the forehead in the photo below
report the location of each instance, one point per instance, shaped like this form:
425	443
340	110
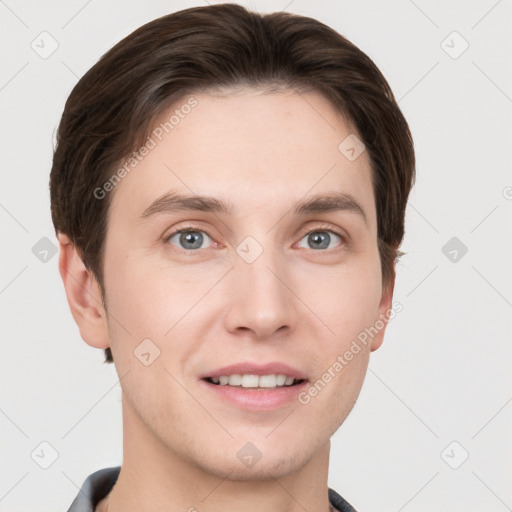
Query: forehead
254	150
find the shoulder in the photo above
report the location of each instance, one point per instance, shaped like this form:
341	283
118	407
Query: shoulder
340	503
95	487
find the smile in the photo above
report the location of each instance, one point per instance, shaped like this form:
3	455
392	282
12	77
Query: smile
255	381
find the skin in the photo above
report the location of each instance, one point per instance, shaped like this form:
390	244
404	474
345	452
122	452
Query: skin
303	306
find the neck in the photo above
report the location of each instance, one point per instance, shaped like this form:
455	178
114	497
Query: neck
155	478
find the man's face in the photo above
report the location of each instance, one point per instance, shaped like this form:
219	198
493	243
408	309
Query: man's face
259	285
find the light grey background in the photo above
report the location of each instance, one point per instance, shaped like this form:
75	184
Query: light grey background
443	373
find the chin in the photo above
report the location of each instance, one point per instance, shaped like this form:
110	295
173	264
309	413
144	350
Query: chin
262	470
269	463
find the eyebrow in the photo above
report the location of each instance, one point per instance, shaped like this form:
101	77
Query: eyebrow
172	202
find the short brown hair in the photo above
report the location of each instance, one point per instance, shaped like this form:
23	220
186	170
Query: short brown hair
112	108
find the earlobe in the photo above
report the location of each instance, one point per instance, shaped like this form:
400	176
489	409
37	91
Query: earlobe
83	295
385	307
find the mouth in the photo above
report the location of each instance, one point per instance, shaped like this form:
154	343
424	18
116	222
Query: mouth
255	382
254	386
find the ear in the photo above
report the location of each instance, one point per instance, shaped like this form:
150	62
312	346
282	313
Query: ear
385	307
83	294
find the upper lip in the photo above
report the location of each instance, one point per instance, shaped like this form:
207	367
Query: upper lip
248	368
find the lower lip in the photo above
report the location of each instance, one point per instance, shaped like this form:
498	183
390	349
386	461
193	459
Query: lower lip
257	399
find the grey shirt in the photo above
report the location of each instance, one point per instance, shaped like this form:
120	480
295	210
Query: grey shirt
97	485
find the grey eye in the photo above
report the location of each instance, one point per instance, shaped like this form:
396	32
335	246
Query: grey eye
190	240
320	239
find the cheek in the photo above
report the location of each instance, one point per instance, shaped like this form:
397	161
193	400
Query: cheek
136	313
346	299
146	297
149	301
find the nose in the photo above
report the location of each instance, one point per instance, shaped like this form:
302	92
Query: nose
261	302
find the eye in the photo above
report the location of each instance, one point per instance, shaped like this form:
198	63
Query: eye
191	239
320	239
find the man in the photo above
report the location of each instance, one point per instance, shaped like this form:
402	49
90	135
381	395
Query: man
229	190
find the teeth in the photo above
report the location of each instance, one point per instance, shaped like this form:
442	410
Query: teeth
235	380
268	381
254	381
250	381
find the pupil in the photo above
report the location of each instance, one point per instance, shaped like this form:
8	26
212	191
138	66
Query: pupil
191	237
319	240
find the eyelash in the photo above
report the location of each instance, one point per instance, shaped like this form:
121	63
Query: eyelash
328	228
